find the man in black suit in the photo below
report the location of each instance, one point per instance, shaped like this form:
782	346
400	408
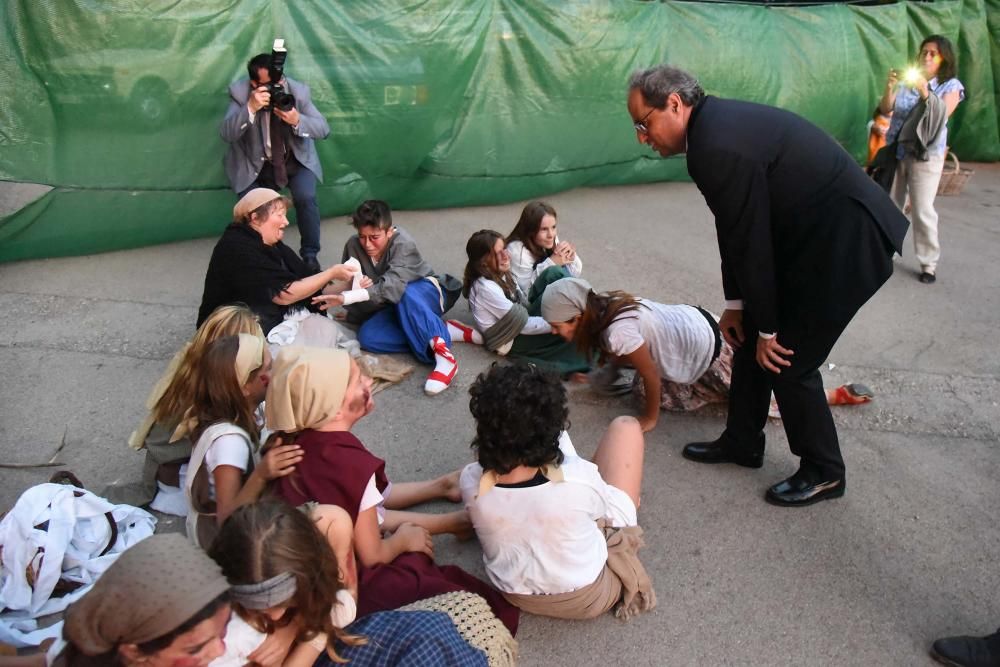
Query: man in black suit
805	238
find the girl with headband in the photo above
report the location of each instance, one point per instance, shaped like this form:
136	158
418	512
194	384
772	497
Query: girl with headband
292	593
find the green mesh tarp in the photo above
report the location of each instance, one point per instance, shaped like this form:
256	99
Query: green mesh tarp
432	103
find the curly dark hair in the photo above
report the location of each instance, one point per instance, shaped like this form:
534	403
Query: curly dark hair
520	410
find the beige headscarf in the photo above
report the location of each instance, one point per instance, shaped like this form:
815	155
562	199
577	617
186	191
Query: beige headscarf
249	357
151	590
565	299
251	201
307	387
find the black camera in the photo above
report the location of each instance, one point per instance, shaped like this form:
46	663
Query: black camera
280	99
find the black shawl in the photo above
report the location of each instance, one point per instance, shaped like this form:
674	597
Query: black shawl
244	269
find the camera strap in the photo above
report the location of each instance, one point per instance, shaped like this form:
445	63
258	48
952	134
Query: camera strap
278	157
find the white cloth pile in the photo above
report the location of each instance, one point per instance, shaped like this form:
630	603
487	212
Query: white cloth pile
54	532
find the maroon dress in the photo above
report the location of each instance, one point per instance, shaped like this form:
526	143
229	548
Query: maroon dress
335	470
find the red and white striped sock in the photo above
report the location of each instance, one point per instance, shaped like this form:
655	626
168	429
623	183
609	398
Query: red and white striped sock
463	333
445	367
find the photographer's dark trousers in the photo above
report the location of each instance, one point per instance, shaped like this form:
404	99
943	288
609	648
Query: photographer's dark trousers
302	185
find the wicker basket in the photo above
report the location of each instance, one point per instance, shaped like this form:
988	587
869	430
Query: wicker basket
954	179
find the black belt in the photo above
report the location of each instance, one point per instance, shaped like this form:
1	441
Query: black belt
715	329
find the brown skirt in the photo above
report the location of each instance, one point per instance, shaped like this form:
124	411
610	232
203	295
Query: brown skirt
623	585
711	387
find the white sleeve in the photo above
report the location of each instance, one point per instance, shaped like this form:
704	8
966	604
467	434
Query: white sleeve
228	450
468	482
535	326
344	610
522	265
623	335
241	640
371	497
576	266
566	445
488	303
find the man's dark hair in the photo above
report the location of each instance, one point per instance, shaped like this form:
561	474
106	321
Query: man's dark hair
257	63
657	83
520	410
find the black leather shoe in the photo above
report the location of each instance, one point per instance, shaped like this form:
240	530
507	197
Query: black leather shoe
721	451
968	651
927	278
312	264
799	490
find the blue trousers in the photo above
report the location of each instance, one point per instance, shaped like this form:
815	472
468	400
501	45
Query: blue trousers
409	325
302	184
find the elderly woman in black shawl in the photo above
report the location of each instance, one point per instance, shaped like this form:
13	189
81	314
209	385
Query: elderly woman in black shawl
250	264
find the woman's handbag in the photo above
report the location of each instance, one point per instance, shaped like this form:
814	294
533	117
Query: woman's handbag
883	167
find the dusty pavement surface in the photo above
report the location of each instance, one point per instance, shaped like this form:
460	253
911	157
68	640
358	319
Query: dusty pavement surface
909	554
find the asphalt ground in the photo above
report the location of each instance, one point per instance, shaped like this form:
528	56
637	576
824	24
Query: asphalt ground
909	554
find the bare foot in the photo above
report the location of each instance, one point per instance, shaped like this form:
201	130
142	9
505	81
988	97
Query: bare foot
450	489
578	378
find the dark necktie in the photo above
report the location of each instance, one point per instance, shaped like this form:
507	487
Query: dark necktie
278	153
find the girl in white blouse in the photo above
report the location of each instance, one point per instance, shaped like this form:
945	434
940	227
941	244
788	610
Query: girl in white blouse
507	318
534	247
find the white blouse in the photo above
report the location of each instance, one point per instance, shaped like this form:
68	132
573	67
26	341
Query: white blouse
489	304
526	268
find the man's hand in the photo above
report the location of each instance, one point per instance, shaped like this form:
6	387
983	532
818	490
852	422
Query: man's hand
259	98
731	326
291	116
770	354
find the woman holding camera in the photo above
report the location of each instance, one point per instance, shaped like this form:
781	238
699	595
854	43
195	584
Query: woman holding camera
921	104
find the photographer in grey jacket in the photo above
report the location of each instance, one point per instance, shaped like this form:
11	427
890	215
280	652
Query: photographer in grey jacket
270	130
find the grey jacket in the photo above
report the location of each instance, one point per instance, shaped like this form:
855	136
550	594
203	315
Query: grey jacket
245	157
922	126
400	265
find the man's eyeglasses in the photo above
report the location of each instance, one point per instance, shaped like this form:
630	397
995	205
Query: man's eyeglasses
640	125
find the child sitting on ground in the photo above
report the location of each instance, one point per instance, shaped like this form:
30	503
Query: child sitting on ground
222	475
559	533
508	320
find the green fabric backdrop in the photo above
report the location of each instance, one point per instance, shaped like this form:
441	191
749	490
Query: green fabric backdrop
432	103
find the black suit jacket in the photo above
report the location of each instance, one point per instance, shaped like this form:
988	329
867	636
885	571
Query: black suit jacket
803	232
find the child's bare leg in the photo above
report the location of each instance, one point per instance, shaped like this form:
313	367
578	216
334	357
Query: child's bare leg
619	456
408	494
436	524
335	525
